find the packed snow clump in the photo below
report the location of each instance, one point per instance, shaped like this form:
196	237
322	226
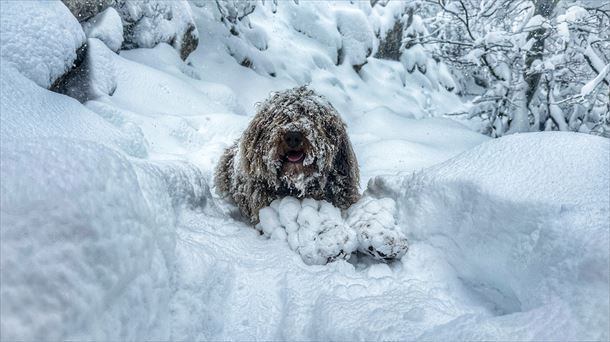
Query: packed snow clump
107	27
317	231
374	220
40	38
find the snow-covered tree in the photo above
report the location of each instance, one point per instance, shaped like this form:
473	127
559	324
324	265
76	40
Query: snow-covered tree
528	65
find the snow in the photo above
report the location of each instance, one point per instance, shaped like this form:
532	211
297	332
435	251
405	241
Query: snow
39	38
107	27
110	230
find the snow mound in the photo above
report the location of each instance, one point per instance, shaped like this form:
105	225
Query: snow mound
79	245
529	240
107	27
40	38
317	231
29	111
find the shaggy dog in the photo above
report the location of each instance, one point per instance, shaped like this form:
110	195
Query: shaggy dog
296	145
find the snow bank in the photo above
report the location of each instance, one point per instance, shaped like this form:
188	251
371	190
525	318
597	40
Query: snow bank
95	77
523	229
87	233
40	38
317	231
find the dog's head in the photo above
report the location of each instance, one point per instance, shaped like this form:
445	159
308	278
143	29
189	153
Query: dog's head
296	138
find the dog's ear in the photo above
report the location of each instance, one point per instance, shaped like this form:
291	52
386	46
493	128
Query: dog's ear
346	168
249	146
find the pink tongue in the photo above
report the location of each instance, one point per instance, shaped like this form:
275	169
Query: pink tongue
294	157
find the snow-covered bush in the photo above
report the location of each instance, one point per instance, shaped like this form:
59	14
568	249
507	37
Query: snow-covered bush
40	38
317	231
403	36
527	64
357	37
233	11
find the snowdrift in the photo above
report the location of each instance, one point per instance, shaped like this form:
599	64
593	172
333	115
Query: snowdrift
523	221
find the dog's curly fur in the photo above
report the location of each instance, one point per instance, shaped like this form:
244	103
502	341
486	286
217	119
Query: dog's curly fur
255	170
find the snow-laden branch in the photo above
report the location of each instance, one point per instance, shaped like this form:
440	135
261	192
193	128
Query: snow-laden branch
594	83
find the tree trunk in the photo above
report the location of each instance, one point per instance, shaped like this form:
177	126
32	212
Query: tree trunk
545	9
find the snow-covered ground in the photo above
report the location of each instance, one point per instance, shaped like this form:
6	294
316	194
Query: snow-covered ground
110	228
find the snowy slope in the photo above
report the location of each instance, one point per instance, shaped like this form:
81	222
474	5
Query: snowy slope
110	231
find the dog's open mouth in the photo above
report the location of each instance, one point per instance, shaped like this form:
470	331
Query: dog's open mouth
295	156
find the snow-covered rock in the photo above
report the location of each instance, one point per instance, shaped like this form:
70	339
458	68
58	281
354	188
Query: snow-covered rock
40	38
107	27
87	233
29	111
148	23
95	77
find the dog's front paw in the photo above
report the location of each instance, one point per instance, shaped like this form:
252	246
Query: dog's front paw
323	236
314	229
375	225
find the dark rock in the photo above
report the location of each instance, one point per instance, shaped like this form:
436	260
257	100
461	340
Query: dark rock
85	9
61	84
389	47
190	41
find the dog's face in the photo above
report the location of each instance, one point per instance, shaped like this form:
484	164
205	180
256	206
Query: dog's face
293	140
292	150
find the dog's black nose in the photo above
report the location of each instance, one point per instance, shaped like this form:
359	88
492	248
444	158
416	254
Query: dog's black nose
293	139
